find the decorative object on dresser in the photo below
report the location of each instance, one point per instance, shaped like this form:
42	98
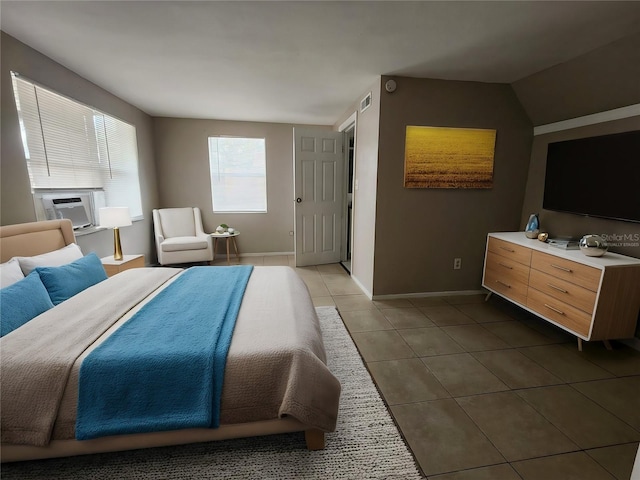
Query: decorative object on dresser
115	217
113	266
533	226
592	298
564	243
593	245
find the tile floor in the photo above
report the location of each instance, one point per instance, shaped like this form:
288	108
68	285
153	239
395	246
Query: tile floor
484	390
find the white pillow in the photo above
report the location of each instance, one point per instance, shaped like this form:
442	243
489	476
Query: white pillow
10	273
51	259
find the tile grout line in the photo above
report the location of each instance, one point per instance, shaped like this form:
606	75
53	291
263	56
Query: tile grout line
510	389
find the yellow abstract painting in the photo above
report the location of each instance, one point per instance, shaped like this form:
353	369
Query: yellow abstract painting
443	157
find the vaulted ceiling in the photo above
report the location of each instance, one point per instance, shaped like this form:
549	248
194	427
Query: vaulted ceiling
307	61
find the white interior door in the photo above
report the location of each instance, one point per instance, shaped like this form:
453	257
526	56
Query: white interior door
318	174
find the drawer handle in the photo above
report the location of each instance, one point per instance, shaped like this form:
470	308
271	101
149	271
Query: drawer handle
554	309
507	249
557	288
564	269
505	266
503	284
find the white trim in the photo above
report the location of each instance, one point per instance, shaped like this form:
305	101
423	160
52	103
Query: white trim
428	294
362	287
600	117
266	254
348	122
632	342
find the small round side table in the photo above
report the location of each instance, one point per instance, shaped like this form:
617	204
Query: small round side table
229	238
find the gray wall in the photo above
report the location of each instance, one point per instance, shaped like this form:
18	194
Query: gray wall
182	158
365	196
16	201
565	224
420	231
604	79
601	80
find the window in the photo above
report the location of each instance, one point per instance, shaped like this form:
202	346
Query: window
70	146
238	169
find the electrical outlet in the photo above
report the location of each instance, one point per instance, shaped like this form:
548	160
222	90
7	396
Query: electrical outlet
457	263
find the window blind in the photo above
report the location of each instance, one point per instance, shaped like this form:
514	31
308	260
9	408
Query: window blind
69	145
238	174
122	148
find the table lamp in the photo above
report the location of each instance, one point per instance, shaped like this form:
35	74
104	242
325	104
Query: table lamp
115	217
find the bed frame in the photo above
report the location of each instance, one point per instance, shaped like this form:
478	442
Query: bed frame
29	239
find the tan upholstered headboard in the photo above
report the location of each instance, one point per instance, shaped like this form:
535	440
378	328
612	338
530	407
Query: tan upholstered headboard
29	239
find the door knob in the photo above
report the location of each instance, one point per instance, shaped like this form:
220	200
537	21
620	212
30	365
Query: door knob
298	200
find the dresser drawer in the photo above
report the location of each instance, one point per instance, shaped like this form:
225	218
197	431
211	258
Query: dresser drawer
562	313
507	268
506	285
510	250
576	273
562	290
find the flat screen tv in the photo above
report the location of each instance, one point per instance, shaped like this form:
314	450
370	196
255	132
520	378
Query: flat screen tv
595	176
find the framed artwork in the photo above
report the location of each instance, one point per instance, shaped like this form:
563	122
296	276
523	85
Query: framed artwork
444	157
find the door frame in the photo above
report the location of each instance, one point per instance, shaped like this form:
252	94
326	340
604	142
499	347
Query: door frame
350	122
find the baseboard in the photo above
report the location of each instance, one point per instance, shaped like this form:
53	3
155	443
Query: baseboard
362	287
632	342
266	254
428	294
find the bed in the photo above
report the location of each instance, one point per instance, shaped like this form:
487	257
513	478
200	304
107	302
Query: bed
275	380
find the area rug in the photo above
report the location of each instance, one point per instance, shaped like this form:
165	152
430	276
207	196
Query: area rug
365	445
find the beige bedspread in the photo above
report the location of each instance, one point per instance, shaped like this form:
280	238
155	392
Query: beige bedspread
275	367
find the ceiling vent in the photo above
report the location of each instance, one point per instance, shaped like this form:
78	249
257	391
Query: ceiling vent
365	102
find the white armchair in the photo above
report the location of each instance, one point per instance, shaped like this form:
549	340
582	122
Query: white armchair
180	237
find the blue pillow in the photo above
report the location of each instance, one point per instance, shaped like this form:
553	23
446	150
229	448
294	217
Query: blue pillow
64	282
21	302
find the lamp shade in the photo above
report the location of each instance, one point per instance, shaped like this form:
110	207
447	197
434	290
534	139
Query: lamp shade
113	217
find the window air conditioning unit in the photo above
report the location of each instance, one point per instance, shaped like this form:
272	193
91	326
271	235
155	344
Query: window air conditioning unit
80	206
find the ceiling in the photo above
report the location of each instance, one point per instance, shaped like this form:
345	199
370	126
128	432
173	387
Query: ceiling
302	62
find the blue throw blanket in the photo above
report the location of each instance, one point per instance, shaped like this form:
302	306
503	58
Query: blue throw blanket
164	368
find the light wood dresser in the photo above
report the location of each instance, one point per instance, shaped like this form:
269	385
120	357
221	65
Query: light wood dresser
594	298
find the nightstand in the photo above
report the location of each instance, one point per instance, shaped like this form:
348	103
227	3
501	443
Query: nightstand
112	266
